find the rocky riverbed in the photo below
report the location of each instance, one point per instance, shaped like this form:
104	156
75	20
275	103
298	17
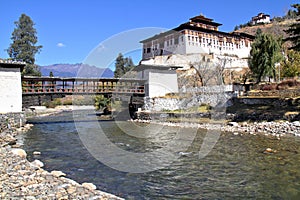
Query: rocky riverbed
276	129
21	179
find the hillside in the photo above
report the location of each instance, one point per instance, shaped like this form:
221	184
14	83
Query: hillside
275	28
76	70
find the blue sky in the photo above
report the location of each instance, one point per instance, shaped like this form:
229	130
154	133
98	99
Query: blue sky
71	30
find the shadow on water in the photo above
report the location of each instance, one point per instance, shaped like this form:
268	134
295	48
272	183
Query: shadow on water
65	121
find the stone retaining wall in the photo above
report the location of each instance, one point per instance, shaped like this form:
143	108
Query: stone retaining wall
10	120
275	93
195	100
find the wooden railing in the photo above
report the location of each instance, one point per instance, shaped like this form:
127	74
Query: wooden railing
48	85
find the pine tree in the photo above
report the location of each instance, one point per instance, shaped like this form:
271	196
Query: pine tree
51	74
265	52
119	66
294	30
23	46
122	66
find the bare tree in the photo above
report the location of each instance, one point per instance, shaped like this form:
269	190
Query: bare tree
205	71
220	69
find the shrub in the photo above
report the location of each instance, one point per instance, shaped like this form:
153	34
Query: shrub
57	102
269	87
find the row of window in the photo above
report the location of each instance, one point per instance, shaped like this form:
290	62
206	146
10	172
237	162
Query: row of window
213	41
214	47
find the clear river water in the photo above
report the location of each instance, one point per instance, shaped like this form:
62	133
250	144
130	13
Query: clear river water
236	168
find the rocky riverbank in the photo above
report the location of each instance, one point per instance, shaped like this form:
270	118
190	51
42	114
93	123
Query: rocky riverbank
276	129
21	179
42	111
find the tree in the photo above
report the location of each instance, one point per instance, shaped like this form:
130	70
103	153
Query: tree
103	103
291	65
203	71
51	74
291	14
294	30
23	47
265	53
122	66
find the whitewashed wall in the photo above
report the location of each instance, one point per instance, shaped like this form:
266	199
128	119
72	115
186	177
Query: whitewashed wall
161	83
10	90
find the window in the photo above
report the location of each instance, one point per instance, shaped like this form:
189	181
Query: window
176	41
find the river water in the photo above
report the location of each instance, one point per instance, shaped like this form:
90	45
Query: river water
236	167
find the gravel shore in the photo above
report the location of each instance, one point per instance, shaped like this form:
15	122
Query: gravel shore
21	179
276	129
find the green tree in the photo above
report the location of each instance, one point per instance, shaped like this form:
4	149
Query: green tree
122	66
23	47
51	74
103	103
291	14
290	67
294	30
265	53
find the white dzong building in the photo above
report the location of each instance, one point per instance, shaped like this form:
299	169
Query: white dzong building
200	35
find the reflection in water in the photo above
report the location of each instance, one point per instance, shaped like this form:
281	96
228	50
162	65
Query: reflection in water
236	168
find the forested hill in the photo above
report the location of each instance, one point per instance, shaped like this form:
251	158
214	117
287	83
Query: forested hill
76	70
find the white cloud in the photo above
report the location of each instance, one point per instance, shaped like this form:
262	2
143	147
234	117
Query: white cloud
60	44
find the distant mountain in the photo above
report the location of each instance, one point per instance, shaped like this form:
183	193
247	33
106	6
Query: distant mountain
76	70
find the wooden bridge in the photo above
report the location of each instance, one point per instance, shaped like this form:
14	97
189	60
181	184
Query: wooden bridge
81	86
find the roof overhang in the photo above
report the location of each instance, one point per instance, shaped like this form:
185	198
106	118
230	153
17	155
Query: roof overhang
156	67
7	64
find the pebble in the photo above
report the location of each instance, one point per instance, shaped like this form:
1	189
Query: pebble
37	164
36	153
269	150
89	186
19	152
235	124
57	173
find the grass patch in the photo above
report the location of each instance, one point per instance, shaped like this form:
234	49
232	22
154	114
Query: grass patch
196	109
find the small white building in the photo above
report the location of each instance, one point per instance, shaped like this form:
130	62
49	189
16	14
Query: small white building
160	80
10	86
260	18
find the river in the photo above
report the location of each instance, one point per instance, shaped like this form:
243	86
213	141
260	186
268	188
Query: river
236	167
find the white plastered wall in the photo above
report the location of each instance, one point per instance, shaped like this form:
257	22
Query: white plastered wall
10	90
162	83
